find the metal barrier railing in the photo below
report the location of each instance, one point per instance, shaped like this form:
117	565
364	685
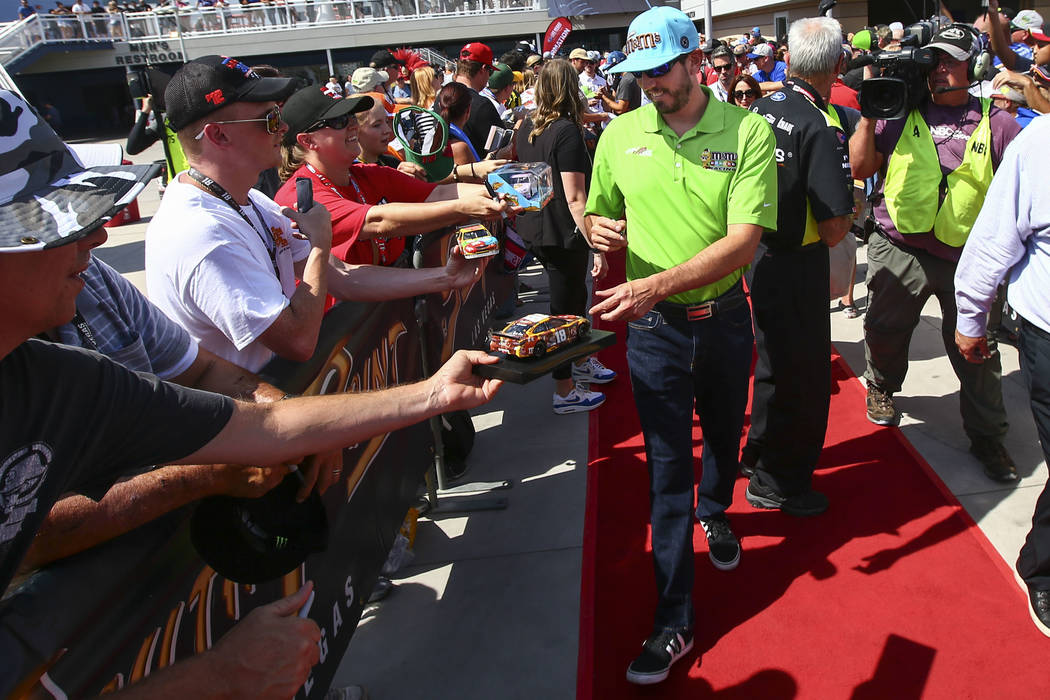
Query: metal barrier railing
167	22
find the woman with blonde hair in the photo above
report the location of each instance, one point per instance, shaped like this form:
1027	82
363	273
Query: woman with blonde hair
554	135
425	82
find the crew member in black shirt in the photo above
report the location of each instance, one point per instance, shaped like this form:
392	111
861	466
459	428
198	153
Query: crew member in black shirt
473	70
789	287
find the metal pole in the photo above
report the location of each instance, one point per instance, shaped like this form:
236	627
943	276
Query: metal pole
331	66
709	24
178	29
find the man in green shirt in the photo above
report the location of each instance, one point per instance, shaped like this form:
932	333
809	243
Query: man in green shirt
686	187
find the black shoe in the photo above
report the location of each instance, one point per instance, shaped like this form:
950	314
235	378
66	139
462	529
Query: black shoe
881	410
995	459
748	461
722	545
800	505
1039	609
659	651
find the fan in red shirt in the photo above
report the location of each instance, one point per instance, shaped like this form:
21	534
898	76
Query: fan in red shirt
373	207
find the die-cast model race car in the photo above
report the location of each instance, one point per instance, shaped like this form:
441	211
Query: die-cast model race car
536	334
476	242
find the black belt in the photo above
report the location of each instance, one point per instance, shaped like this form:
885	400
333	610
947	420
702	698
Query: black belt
698	312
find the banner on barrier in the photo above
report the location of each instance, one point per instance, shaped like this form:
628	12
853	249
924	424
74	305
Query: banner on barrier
106	618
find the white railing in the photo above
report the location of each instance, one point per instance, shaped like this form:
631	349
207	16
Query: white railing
167	22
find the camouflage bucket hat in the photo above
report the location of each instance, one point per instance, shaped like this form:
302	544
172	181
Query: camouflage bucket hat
47	197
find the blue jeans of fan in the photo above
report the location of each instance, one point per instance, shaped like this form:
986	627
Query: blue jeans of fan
677	367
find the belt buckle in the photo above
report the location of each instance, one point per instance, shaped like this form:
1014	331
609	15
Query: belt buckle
699	312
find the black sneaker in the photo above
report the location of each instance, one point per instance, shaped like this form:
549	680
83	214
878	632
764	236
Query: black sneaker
881	410
800	505
1039	609
659	651
998	466
722	545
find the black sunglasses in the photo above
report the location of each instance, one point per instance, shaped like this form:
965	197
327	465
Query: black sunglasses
336	123
741	94
660	70
719	69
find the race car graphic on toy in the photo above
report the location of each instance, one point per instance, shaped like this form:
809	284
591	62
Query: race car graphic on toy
476	242
536	334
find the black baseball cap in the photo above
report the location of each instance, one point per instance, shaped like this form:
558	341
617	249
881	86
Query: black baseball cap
384	58
210	82
954	40
252	540
313	103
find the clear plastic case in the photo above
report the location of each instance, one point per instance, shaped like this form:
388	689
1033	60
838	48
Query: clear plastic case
527	185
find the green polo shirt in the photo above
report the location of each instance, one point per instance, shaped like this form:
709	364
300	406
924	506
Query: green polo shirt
679	194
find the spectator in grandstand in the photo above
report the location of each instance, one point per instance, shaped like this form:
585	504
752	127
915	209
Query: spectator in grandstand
744	91
372	207
116	26
221	259
25	9
554	135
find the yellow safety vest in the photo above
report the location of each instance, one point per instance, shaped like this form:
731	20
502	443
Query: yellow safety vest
914	173
831	116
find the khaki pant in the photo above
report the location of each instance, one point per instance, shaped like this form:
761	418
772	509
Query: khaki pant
899	283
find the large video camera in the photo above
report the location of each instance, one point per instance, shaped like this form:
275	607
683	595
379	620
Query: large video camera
902	85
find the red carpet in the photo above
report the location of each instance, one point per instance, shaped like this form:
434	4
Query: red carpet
893	593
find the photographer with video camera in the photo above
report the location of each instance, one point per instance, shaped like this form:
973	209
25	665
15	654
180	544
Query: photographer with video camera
935	151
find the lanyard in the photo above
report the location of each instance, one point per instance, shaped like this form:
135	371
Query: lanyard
379	241
86	334
216	189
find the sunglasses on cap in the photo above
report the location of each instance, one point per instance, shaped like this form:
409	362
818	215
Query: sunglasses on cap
337	123
272	119
741	94
660	70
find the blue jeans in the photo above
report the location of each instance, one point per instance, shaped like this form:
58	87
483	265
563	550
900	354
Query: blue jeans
678	365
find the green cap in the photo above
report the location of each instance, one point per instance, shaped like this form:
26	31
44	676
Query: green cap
862	40
501	77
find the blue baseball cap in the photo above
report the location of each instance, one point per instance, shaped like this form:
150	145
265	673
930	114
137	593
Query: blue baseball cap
655	37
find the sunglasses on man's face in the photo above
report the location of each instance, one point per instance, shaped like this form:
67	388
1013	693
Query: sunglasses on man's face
723	67
658	71
742	94
272	119
337	123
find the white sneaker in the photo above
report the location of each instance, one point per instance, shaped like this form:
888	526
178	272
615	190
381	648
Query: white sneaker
577	401
593	372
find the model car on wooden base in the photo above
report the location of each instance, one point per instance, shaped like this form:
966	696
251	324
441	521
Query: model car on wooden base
537	334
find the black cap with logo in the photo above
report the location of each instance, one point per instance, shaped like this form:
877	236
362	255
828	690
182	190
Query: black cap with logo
314	103
204	85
